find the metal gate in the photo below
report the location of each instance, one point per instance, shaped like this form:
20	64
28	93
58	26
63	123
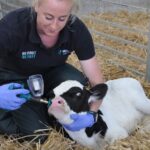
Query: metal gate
94	13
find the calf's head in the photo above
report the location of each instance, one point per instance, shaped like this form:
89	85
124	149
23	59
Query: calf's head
72	95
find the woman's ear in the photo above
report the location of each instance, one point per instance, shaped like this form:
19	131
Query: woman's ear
36	6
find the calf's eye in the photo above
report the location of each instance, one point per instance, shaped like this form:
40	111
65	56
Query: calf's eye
78	94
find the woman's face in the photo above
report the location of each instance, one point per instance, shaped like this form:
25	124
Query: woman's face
52	16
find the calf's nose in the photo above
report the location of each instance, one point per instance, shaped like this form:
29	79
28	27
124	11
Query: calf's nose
57	102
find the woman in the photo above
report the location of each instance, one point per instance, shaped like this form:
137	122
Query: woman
39	40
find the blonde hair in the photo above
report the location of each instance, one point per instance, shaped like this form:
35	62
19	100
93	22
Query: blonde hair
75	9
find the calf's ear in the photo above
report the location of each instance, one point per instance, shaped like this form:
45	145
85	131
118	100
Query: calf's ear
98	92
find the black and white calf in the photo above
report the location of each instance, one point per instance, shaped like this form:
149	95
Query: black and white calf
124	104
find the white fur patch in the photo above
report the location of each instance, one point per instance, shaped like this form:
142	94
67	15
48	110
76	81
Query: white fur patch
65	86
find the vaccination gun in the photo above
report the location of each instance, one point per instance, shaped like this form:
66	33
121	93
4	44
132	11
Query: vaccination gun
36	87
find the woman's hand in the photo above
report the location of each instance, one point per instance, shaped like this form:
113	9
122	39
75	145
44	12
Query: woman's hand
81	121
8	96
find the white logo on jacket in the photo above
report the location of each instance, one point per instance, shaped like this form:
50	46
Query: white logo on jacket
28	55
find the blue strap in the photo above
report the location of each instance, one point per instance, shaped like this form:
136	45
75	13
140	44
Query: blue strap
49	103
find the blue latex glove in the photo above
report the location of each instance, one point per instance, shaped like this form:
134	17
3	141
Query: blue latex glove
8	96
80	121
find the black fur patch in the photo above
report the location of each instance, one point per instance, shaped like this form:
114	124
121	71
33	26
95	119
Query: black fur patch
77	99
99	127
50	95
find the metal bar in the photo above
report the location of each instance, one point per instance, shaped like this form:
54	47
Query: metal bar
1	14
126	5
121	53
126	68
106	22
115	38
13	6
147	77
4	12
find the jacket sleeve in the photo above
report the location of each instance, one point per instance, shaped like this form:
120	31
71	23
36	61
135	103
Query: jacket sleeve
84	47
